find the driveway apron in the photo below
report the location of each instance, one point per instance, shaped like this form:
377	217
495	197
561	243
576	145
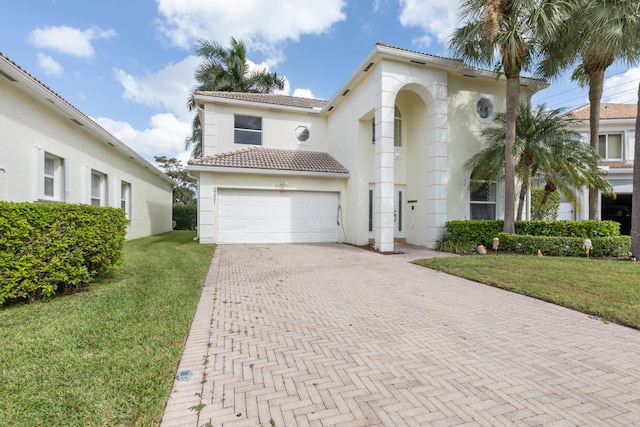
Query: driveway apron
333	335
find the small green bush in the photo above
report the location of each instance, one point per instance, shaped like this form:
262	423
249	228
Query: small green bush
45	248
455	244
185	217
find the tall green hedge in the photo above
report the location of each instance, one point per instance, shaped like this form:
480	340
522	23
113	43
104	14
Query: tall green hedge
46	248
185	217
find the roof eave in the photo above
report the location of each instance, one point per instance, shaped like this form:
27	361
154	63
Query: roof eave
381	51
257	171
201	99
64	109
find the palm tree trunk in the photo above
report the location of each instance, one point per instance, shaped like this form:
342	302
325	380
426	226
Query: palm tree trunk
596	82
513	98
523	195
635	198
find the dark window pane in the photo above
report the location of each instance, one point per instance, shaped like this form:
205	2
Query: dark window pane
247	137
483	211
248	122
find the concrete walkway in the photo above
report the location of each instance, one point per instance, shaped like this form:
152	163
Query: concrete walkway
332	335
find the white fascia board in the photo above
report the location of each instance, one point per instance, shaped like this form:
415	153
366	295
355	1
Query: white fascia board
62	107
251	171
261	105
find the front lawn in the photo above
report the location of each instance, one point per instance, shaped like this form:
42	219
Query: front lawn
106	356
606	288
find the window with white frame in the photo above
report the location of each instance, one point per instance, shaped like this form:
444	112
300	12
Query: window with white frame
125	198
482	199
98	188
397	128
52	177
610	146
247	130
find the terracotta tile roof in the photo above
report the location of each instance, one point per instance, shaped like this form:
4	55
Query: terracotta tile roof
274	159
269	98
607	111
618	165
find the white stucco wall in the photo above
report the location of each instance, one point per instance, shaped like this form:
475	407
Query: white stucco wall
277	128
31	127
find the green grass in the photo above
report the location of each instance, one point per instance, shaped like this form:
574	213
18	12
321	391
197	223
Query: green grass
606	288
106	356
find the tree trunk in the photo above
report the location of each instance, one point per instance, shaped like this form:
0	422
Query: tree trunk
513	100
523	195
635	198
596	82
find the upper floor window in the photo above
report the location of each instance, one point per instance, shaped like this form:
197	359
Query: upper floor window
247	130
52	177
125	198
610	146
482	199
98	188
397	128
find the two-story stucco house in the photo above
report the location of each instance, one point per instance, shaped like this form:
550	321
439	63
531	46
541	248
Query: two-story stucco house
52	152
616	146
382	161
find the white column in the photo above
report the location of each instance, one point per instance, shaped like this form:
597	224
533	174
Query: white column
437	164
384	172
207	229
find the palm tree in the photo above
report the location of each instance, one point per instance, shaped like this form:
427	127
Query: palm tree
595	32
545	148
226	70
512	28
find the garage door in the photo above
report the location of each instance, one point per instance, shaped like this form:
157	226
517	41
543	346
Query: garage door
259	216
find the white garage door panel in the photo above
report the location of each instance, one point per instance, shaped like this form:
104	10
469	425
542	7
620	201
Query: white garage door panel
253	216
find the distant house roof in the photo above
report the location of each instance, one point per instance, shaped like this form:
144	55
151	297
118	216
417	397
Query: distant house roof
274	159
268	98
607	111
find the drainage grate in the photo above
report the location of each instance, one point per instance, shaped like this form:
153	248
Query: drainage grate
184	375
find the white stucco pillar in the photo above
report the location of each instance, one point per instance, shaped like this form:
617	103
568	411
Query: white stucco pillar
384	172
206	208
437	164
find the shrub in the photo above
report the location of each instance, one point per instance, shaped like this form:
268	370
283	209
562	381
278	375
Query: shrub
45	248
483	231
185	217
547	212
565	246
455	244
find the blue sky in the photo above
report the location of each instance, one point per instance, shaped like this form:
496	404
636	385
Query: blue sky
129	64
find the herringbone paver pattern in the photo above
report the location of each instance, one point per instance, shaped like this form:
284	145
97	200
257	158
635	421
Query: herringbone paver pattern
331	335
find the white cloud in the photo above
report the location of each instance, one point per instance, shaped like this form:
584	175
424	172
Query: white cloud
260	24
164	137
622	88
436	19
169	88
49	65
303	93
68	40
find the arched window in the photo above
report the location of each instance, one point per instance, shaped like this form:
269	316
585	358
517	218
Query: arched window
482	199
397	128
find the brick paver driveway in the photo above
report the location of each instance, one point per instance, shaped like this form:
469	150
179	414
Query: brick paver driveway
323	335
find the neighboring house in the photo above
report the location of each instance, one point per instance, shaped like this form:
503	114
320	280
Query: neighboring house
617	142
382	161
52	152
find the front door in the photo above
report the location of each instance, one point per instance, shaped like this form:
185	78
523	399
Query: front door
398	213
